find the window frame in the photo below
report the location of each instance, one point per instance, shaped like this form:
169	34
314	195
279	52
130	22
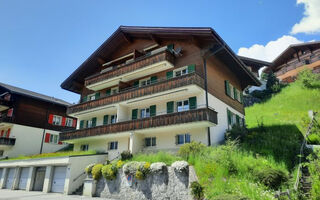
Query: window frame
147	114
113	145
184	138
114	90
181	69
183	105
146	80
113	117
54	120
153	141
84	147
69	122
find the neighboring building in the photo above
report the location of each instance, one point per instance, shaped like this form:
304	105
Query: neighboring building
156	88
30	122
296	58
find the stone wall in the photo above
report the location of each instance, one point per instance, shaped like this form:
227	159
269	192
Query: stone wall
168	183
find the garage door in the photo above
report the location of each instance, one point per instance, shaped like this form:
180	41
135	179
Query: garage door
10	178
23	178
58	179
39	179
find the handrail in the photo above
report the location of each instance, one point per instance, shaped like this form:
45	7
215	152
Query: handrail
82	173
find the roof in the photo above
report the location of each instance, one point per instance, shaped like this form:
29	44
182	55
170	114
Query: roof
254	62
35	95
294	48
126	33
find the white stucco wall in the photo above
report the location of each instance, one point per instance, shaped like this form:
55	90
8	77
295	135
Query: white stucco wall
28	141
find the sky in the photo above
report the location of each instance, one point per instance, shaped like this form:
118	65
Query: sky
43	42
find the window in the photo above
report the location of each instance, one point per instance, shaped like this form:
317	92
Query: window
181	71
51	138
150	141
55	139
145	112
307	61
84	147
146	81
183	138
92	97
114	90
57	120
113	145
113	119
89	123
182	105
1	152
69	122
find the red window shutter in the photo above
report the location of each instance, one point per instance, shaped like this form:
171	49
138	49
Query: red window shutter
74	123
50	119
10	112
47	138
2	132
63	123
8	135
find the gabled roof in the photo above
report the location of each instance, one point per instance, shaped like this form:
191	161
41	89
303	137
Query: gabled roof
28	93
125	34
254	62
294	48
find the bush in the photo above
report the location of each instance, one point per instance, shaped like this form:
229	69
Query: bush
191	149
197	191
236	133
272	178
109	172
88	169
96	171
119	164
314	139
314	169
230	197
139	169
126	155
309	79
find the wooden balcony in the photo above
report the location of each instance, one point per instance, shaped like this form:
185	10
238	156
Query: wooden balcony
159	86
122	72
196	115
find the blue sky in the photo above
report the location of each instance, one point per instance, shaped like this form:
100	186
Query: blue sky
43	42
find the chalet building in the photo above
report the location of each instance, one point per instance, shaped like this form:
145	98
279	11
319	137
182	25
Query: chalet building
30	122
296	58
156	88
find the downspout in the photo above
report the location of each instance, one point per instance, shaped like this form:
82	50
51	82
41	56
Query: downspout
206	89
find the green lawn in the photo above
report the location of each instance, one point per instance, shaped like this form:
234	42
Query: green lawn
51	155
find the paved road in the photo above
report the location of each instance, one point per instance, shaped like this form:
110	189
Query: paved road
23	195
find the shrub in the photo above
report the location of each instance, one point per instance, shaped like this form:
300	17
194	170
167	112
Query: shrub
88	169
109	172
139	169
197	191
230	197
272	178
314	139
96	171
309	79
119	164
314	169
126	155
192	148
236	133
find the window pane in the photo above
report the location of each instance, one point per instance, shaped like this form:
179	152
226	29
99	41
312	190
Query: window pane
180	139
148	142
153	141
184	71
178	73
188	138
116	145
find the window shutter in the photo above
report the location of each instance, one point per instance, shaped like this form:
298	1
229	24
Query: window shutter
97	95
193	102
47	138
8	134
235	93
170	107
238	119
50	119
108	92
84	99
94	122
105	119
134	114
81	124
74	123
63	122
136	84
10	112
154	79
241	97
153	110
227	88
2	132
170	47
229	117
87	124
169	74
191	68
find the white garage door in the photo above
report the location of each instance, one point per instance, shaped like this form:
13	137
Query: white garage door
23	178
10	178
58	179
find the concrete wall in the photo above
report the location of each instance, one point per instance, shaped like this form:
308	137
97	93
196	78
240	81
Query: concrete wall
28	141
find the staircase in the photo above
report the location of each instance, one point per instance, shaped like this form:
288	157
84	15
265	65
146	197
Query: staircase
78	191
305	183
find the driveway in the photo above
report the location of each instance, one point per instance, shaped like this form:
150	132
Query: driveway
23	195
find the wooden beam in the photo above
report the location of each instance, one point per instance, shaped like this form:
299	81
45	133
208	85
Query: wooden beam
126	37
154	39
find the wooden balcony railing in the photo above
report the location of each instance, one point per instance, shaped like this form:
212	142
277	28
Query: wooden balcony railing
130	67
196	115
160	86
7	141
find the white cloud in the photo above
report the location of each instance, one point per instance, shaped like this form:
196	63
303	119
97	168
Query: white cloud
310	23
271	50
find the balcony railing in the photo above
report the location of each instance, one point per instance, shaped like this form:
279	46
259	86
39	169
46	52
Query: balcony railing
5	103
7	141
139	63
196	115
129	93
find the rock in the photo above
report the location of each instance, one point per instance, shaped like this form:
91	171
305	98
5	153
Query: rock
180	166
157	167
